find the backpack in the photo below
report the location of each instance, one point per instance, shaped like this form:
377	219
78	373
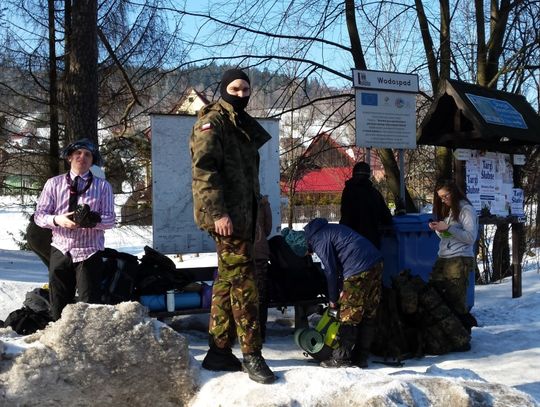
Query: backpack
291	277
413	320
38	300
442	331
158	274
396	337
26	321
120	276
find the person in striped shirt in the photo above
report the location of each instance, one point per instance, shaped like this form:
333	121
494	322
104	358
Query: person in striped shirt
76	263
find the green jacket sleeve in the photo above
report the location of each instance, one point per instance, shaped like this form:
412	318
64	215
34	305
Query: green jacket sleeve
206	146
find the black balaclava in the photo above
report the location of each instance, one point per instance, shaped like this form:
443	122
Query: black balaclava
238	103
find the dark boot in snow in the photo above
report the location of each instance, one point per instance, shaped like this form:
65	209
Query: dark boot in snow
257	369
366	333
342	356
218	359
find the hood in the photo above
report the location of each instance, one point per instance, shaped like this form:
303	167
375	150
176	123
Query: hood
314	226
296	239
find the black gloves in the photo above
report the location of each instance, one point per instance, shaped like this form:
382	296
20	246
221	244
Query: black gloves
84	217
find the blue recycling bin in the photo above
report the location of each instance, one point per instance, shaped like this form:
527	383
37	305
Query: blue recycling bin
412	245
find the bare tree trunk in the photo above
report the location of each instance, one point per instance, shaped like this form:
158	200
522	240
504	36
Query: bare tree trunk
391	170
290	208
481	52
428	45
446	54
443	156
81	86
497	30
54	167
443	162
356	45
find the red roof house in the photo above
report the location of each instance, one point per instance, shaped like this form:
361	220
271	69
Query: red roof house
323	180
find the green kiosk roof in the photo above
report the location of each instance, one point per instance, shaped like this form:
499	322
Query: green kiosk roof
470	116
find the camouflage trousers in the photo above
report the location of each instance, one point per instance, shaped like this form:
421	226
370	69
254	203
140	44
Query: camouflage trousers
235	299
450	276
360	296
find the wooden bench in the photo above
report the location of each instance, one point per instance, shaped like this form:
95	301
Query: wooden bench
302	308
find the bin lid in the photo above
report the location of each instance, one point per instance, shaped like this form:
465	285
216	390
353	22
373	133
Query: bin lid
413	218
412	222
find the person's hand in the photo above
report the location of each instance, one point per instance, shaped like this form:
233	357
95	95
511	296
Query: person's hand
223	226
333	309
438	226
64	221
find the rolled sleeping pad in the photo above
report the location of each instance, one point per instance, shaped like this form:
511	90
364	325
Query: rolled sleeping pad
153	302
187	300
309	340
320	342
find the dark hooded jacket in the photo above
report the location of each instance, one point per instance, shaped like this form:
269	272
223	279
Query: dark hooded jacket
343	252
363	209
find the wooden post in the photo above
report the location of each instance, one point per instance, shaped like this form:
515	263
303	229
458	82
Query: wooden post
518	231
516	263
459	174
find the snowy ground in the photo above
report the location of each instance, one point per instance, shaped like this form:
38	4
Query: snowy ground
505	347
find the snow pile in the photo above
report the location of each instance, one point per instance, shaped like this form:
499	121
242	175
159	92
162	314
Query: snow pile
362	388
99	355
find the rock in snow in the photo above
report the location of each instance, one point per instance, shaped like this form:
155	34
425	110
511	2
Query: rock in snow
101	355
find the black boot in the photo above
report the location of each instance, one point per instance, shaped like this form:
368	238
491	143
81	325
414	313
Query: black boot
366	332
257	369
342	356
218	359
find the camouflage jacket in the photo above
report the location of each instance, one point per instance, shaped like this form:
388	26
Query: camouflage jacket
225	167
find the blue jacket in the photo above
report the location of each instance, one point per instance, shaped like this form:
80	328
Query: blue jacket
343	252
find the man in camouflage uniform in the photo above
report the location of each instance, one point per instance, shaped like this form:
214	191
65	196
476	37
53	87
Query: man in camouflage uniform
225	168
353	269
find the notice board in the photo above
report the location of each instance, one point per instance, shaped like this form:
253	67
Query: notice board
174	230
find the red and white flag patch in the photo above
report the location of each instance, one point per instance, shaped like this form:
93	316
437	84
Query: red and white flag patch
207	126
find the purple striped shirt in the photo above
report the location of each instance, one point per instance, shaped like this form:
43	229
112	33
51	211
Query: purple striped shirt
81	243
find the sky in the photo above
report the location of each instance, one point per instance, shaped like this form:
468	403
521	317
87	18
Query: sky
503	364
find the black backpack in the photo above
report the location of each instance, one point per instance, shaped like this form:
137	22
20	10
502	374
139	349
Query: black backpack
414	320
38	300
33	316
120	276
26	321
158	274
291	277
396	335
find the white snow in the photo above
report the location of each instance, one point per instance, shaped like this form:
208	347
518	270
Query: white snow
505	347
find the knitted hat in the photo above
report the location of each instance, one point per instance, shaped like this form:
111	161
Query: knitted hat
361	169
296	239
